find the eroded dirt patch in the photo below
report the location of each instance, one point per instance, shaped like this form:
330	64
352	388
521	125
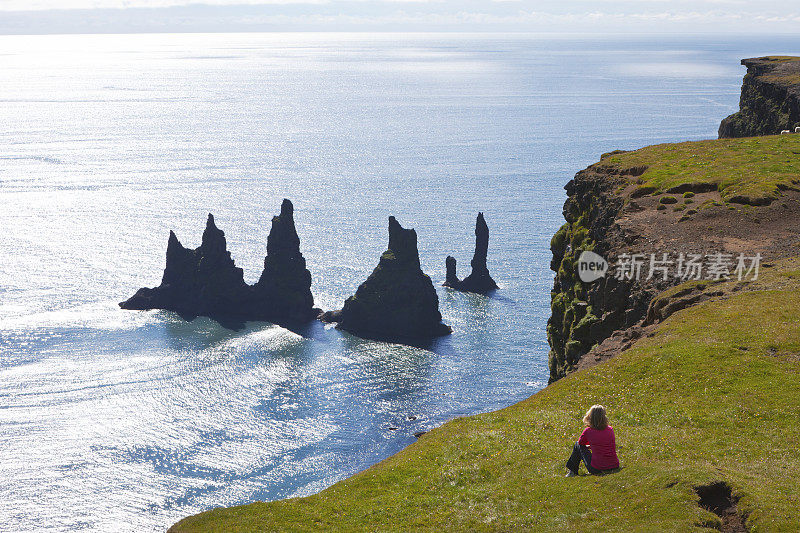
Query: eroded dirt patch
718	498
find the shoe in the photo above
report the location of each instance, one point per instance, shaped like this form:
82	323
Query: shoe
570	473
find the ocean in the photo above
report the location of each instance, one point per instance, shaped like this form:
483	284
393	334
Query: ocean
115	420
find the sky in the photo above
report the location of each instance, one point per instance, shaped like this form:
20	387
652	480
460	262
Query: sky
596	16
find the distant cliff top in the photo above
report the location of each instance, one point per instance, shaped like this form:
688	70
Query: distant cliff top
782	70
770	101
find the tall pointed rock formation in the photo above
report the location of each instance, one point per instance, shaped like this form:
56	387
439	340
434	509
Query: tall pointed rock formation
479	279
397	302
283	293
204	281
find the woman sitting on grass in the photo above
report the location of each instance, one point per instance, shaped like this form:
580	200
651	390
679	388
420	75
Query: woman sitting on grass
596	445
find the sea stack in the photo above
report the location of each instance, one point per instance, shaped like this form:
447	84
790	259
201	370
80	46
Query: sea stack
451	279
283	293
397	302
479	280
204	281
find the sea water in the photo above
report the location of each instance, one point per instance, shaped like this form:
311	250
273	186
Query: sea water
129	421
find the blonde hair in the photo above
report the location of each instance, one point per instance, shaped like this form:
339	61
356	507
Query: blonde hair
596	417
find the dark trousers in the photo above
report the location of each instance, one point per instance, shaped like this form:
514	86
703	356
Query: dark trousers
581	453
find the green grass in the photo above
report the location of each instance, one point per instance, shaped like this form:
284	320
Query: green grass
750	170
782	59
713	395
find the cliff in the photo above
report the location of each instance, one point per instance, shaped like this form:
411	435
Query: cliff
397	302
732	196
770	101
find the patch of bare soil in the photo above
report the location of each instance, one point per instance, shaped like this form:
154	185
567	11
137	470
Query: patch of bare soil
618	342
703	227
718	498
700	227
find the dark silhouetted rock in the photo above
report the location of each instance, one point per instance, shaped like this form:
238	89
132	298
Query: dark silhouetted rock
451	279
283	293
398	302
479	279
206	282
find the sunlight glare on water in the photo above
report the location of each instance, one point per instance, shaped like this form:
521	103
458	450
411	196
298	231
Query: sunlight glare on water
128	421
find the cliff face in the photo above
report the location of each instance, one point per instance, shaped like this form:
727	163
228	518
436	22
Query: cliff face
770	101
584	314
665	204
397	302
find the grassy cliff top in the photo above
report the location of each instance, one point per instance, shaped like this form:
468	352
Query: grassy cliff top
777	59
751	170
712	396
781	70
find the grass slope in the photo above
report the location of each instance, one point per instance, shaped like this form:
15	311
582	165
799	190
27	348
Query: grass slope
713	395
751	170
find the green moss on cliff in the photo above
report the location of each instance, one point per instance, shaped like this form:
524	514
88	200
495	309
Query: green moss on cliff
571	317
791	79
782	59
